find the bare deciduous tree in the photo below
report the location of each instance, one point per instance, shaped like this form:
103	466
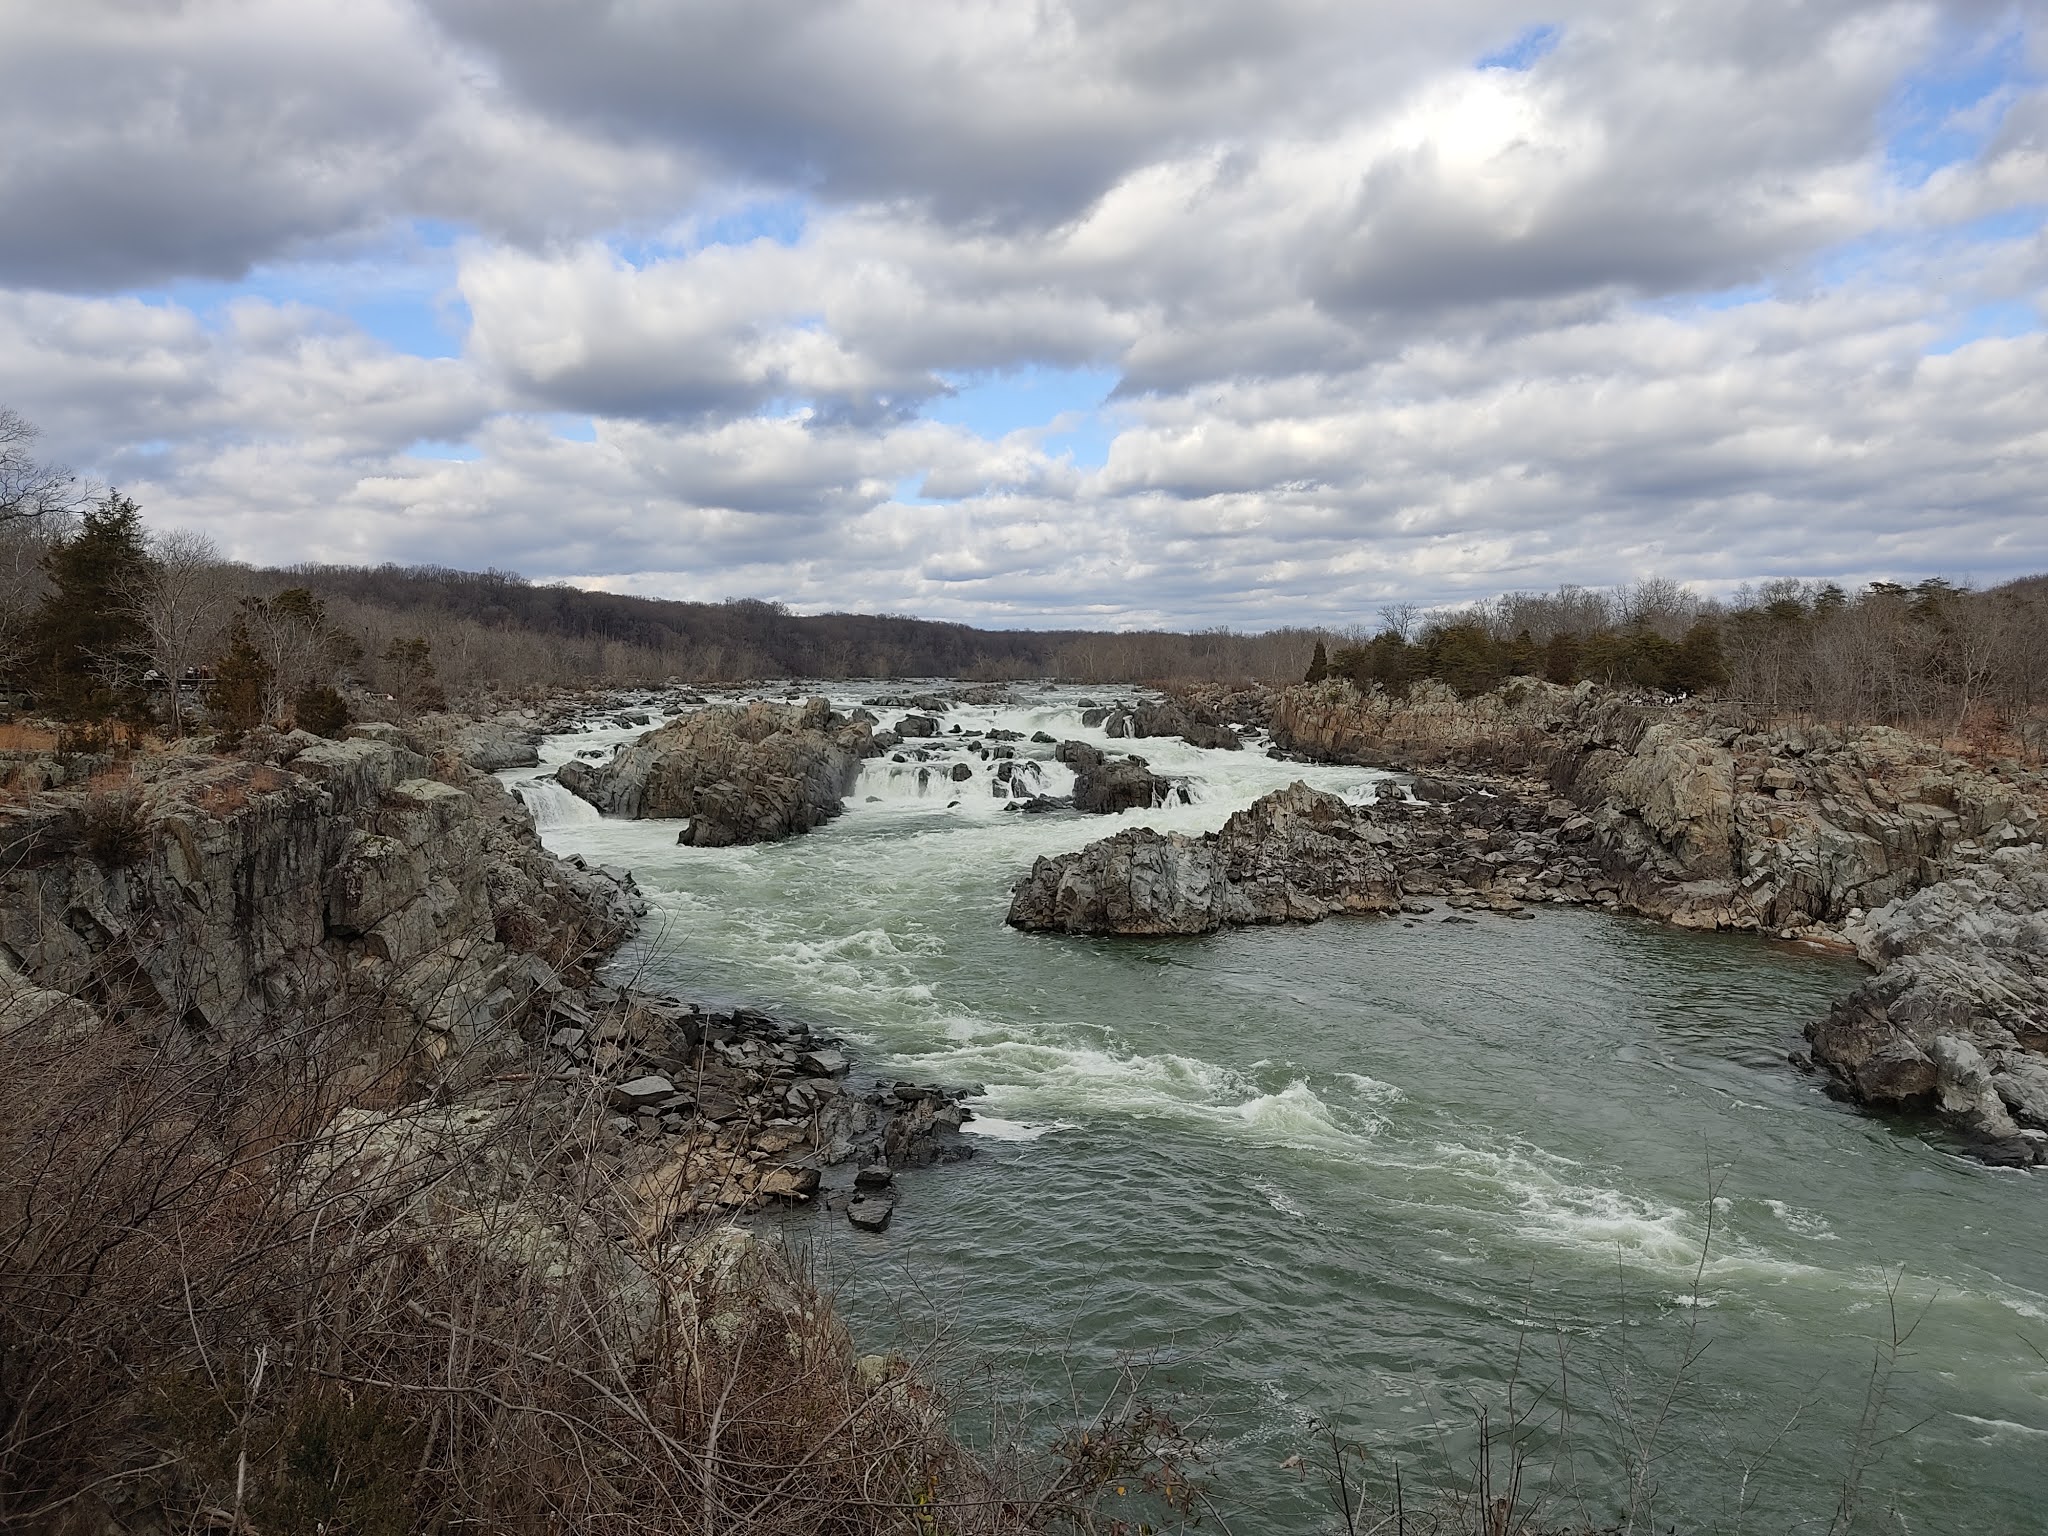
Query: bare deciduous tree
29	487
182	604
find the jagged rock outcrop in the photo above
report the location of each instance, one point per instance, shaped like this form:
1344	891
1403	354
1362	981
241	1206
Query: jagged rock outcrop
1294	856
1104	785
1709	822
742	774
1171	717
218	903
1701	817
217	898
1124	784
1956	1019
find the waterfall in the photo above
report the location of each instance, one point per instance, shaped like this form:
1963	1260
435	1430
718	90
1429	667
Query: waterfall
552	806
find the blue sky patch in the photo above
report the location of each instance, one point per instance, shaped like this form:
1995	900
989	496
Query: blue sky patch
1982	322
429	448
782	220
1946	113
909	492
993	405
569	426
401	291
1524	51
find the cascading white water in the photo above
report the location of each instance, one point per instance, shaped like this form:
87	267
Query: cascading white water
553	807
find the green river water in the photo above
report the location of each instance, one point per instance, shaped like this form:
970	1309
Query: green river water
1348	1174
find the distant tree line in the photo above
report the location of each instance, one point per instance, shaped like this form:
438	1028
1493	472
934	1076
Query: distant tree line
102	619
496	629
1934	654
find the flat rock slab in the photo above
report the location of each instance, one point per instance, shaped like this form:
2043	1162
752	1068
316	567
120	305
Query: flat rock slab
870	1214
641	1092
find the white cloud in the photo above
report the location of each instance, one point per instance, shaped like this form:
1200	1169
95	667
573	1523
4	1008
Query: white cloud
1386	324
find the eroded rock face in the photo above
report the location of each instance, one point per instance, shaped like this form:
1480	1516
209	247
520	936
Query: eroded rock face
1511	730
755	773
1700	817
1294	856
1956	1019
339	881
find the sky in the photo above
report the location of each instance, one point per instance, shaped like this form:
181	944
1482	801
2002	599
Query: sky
1103	313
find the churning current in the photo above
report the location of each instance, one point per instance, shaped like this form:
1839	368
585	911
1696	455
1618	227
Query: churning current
1357	1176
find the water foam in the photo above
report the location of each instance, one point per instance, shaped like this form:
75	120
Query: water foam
995	1128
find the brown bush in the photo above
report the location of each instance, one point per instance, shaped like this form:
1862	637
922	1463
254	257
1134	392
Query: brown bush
231	1299
114	821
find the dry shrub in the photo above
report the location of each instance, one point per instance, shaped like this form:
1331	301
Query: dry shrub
114	820
230	1299
19	736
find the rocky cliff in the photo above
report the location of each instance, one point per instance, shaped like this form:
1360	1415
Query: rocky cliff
307	1062
751	773
1703	817
215	897
404	910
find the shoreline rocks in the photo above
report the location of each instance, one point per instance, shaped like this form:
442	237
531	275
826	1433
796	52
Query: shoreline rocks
1955	1020
1704	816
738	1112
1701	815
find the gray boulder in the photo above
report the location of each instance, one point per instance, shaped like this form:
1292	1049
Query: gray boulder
1124	785
504	741
870	1213
741	774
1294	856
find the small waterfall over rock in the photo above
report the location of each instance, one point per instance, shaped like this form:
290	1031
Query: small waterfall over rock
552	806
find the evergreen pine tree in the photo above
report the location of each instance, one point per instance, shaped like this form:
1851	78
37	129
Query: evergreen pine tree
85	643
1318	665
240	682
413	686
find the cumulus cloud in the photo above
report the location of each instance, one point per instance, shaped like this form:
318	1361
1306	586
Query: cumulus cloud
1395	306
158	139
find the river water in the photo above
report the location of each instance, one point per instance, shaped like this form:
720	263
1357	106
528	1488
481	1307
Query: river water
1378	1174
